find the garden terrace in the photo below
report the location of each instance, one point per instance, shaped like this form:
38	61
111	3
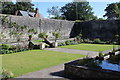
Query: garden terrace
30	61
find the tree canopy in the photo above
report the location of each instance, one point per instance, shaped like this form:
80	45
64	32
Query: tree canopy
10	7
25	6
54	12
78	11
113	11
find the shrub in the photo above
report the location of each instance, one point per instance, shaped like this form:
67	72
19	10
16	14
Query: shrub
78	38
101	54
74	43
87	41
12	47
68	42
5	46
107	42
56	35
42	35
17	48
97	41
4	51
61	44
7	74
114	43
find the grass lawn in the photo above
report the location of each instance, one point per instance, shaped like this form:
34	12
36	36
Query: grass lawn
90	47
37	41
30	61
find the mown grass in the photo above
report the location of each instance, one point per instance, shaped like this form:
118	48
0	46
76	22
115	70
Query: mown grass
37	41
91	47
30	61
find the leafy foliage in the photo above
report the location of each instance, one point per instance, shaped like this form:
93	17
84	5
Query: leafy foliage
10	7
42	35
7	74
56	35
25	6
77	11
113	11
54	11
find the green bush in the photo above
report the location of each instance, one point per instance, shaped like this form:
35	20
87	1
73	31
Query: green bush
4	51
68	42
97	41
56	35
12	47
87	41
7	74
5	46
74	43
61	44
107	42
115	43
101	54
42	35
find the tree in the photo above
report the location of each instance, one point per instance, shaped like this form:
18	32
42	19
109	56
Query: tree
117	10
54	11
4	20
113	11
77	11
11	8
8	8
25	6
100	19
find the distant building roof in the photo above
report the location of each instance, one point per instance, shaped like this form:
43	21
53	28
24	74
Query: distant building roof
26	13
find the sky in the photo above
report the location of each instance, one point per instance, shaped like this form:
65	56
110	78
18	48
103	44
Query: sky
97	5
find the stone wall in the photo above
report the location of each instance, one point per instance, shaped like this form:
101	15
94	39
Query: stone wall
74	71
45	25
105	29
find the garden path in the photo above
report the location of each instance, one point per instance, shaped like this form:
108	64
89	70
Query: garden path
74	51
52	72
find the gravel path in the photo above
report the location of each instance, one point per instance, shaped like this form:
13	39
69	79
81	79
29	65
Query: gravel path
74	51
